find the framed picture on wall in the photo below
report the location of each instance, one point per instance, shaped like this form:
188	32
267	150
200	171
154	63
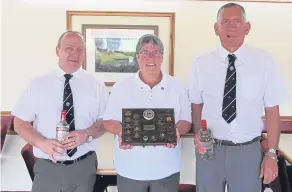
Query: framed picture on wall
111	39
111	49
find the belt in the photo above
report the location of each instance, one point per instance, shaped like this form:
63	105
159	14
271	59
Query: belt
70	162
230	143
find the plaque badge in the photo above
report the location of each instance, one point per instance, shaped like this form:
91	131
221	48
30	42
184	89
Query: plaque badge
148	114
148	127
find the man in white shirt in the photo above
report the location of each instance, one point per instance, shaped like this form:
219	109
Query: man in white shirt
229	87
149	168
72	89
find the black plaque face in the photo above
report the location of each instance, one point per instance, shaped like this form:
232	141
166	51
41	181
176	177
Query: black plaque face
142	127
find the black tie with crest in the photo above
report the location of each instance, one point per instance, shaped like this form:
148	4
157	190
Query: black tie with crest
229	97
68	106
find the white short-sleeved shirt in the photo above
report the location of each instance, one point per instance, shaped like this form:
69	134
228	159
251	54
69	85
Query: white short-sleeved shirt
42	102
148	163
258	85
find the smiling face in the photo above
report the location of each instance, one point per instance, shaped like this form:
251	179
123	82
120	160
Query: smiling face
231	28
150	59
71	52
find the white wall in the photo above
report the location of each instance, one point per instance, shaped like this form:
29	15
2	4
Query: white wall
30	29
1	7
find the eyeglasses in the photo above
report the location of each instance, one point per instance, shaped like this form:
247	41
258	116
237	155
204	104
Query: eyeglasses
147	53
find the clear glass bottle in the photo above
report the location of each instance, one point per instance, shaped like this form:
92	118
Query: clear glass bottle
206	138
62	129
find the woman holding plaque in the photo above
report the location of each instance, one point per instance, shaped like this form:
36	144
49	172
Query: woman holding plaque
147	112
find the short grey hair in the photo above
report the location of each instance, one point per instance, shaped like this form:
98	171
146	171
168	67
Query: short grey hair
67	32
228	5
149	38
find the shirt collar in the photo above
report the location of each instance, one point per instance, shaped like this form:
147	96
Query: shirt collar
239	53
60	73
160	85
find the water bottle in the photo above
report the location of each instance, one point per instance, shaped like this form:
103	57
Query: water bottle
206	138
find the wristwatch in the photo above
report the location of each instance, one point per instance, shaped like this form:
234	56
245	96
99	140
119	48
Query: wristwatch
89	137
274	151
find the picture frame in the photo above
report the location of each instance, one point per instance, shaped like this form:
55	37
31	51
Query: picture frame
110	49
111	39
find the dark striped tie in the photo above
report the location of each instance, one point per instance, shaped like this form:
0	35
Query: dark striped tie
229	98
68	106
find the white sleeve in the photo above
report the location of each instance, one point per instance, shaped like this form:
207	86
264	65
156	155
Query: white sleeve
185	106
275	92
194	87
113	109
26	106
103	98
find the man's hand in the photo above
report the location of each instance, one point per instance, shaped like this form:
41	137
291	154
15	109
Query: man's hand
121	145
177	140
74	139
199	146
269	170
52	148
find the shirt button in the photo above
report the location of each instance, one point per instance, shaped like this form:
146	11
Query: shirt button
162	88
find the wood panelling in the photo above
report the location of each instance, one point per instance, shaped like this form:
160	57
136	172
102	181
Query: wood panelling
285	123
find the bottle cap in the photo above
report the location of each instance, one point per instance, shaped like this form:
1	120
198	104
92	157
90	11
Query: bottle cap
204	124
63	115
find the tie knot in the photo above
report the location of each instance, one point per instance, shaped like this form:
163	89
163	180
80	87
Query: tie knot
68	76
231	58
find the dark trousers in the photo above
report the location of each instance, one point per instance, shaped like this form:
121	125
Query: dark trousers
237	167
78	177
168	184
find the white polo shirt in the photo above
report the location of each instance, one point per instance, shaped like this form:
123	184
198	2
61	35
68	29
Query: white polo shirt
148	163
258	85
42	102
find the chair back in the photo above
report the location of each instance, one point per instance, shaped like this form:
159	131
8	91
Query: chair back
283	175
186	188
6	123
281	183
289	174
29	159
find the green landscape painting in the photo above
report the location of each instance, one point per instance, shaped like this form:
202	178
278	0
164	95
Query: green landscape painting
116	55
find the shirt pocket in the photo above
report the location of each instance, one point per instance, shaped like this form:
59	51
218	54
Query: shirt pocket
212	88
50	107
252	87
85	110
